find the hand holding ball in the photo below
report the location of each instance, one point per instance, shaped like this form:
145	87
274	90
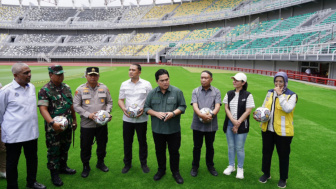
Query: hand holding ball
102	117
206	111
262	114
63	121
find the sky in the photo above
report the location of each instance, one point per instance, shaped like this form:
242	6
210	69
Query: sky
84	3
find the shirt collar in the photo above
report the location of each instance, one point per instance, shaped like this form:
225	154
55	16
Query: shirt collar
88	86
140	80
17	85
53	85
210	88
159	90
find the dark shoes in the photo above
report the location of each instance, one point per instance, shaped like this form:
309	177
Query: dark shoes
282	183
102	167
56	180
126	169
67	170
194	172
145	168
36	185
178	178
159	175
264	178
86	171
213	171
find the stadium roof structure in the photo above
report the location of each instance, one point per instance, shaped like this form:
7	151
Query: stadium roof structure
86	3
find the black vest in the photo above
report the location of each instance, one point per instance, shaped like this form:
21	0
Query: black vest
245	125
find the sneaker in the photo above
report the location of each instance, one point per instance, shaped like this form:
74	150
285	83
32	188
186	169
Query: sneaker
264	178
240	173
229	170
282	183
3	175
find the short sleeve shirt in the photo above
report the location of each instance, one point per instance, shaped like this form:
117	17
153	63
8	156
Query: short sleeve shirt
205	99
234	103
58	99
135	93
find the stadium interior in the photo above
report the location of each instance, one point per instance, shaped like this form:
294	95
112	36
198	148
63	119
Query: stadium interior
257	34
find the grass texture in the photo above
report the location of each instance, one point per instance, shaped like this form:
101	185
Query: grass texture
312	150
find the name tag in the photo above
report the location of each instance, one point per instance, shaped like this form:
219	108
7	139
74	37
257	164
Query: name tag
243	99
171	98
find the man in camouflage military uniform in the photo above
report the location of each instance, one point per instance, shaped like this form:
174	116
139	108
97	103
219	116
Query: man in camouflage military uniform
55	99
90	98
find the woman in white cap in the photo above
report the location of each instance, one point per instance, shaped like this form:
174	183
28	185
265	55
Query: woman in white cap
238	106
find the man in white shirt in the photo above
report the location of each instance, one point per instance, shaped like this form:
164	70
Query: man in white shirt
135	91
19	126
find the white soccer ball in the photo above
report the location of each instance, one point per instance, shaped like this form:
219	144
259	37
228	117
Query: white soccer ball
62	120
102	117
133	110
205	111
262	114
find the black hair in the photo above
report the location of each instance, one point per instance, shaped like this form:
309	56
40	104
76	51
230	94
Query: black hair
245	86
138	66
160	72
208	72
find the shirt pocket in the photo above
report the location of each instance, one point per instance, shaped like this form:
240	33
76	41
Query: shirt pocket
102	98
86	100
171	105
156	104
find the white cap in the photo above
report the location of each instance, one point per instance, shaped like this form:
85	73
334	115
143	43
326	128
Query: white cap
240	77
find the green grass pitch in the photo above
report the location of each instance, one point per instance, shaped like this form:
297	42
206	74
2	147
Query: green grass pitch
312	163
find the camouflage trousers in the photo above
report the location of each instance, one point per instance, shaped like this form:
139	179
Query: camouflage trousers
58	145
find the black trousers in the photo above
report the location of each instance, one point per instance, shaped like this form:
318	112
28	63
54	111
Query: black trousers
12	159
87	137
269	139
128	135
174	143
198	143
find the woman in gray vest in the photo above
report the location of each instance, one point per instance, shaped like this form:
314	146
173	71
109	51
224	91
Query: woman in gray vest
238	106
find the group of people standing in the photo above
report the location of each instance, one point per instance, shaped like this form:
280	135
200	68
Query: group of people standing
165	104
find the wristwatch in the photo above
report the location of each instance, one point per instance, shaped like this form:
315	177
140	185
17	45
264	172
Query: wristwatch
212	115
173	114
51	123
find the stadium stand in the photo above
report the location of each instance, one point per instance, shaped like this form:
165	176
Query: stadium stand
129	50
150	50
49	14
86	38
76	50
134	12
201	34
194	8
159	11
36	38
140	37
292	22
223	4
174	36
10	13
101	14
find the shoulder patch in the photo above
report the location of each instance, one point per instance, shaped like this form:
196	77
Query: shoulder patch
76	92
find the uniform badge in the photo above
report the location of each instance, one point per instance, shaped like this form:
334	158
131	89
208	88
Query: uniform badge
87	101
16	94
102	100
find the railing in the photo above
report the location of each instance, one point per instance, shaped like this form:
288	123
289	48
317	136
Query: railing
302	77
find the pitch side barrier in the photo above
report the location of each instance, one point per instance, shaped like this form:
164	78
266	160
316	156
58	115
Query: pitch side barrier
291	75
